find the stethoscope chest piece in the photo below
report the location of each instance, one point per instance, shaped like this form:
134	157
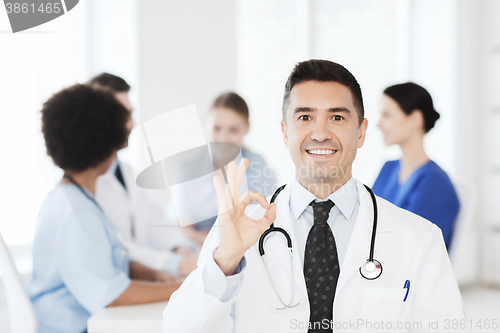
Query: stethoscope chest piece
371	269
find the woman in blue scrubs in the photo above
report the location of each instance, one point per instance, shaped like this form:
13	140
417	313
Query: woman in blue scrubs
79	263
414	182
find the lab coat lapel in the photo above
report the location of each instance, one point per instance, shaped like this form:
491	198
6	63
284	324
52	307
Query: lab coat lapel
114	199
276	244
358	249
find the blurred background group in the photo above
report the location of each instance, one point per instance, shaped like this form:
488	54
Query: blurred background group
176	53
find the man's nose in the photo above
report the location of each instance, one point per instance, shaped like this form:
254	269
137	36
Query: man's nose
321	131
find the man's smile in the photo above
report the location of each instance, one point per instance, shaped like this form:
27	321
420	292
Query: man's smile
321	153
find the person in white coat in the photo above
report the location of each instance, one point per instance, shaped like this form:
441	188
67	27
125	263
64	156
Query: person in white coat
151	240
329	217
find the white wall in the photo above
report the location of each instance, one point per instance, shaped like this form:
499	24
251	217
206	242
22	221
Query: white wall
113	46
33	65
267	50
432	64
186	56
467	131
488	145
186	53
93	37
467	91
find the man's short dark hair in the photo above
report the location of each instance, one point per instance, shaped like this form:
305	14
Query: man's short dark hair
324	71
83	126
110	81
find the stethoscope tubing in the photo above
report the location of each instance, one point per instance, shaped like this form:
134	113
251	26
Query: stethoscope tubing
371	259
117	234
272	228
375	221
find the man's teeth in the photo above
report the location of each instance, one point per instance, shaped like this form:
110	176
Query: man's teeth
321	152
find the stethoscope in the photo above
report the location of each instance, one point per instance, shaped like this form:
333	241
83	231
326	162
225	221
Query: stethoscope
370	270
118	236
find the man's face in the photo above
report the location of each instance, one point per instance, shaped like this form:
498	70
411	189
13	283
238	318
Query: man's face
122	97
322	132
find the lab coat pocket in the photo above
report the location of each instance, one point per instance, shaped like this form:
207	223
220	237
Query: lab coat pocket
383	304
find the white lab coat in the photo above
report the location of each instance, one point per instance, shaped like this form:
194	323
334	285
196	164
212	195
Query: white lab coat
154	237
408	247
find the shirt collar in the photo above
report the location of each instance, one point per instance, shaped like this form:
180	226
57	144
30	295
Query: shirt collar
344	198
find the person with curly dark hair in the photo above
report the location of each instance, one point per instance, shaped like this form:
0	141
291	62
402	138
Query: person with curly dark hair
415	182
80	264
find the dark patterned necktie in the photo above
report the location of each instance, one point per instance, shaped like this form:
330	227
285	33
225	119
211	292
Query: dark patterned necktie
321	268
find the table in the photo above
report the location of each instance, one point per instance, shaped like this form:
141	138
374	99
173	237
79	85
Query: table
128	319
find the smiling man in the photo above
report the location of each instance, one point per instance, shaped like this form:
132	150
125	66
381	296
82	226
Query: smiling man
324	130
300	264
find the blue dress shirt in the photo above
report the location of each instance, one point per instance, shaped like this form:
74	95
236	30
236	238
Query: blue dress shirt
427	192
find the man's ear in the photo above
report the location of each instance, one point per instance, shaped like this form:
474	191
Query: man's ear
362	132
285	136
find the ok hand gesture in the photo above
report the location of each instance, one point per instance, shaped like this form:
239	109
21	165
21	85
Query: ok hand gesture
238	232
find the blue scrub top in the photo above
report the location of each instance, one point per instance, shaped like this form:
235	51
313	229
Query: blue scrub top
427	192
79	266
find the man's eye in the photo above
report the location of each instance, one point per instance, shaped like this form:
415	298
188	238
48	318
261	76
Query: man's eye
304	117
337	117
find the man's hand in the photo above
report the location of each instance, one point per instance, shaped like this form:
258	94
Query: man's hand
238	232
